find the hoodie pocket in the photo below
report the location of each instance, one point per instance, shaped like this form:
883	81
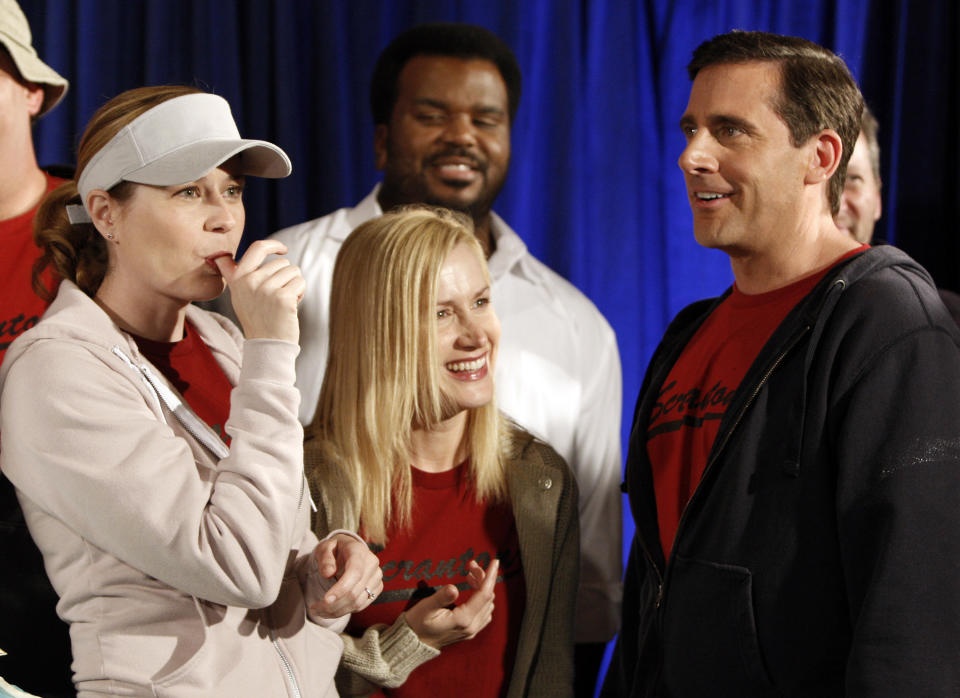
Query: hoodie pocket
710	644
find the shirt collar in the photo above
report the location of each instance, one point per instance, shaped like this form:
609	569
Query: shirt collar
368	208
511	252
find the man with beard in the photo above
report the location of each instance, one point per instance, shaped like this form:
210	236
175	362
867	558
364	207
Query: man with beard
443	98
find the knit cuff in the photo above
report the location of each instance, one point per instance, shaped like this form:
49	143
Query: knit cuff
402	650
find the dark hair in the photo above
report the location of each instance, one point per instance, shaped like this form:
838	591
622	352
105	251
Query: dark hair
78	252
817	90
464	41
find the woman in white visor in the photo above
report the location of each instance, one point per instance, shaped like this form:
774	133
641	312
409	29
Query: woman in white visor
156	453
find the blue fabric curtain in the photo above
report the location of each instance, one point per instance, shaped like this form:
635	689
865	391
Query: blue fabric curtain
594	188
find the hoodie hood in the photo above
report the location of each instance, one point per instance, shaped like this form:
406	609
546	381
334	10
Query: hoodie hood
76	317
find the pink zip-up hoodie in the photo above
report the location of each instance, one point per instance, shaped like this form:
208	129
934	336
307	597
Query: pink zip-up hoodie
184	568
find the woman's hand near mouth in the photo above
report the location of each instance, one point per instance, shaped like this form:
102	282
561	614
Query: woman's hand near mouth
265	294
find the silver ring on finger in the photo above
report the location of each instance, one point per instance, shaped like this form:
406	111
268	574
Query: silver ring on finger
370	594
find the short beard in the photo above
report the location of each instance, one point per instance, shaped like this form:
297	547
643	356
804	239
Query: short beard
401	189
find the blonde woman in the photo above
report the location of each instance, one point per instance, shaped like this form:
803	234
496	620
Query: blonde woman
155	452
473	520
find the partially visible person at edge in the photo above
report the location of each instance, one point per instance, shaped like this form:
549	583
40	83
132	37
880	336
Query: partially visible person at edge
861	203
185	566
36	642
444	98
473	519
794	465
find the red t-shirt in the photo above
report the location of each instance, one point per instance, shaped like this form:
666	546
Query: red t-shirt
702	383
450	528
190	367
21	308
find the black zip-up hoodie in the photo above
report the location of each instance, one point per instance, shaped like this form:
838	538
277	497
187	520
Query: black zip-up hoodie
820	554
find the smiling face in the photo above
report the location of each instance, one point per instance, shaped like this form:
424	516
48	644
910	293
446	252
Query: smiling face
468	331
860	202
167	237
448	140
744	176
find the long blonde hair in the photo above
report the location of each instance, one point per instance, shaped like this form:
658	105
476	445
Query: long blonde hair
383	375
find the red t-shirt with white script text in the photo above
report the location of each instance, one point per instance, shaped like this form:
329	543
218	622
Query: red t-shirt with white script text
702	383
450	528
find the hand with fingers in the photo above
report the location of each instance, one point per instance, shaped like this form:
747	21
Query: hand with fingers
265	294
438	625
356	570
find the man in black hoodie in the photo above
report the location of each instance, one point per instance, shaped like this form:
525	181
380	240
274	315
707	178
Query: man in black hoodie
794	466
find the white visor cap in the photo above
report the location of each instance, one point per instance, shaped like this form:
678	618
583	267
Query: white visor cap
175	142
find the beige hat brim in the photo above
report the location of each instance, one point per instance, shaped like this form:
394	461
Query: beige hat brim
32	69
14	31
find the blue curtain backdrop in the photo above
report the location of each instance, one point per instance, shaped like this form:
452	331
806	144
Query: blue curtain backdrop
594	188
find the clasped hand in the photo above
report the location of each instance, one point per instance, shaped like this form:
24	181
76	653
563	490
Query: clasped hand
438	625
356	571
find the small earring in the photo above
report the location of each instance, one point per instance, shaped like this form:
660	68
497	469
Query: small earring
109	236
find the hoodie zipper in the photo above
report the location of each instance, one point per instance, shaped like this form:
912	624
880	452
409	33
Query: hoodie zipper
193	424
716	456
204	435
288	670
